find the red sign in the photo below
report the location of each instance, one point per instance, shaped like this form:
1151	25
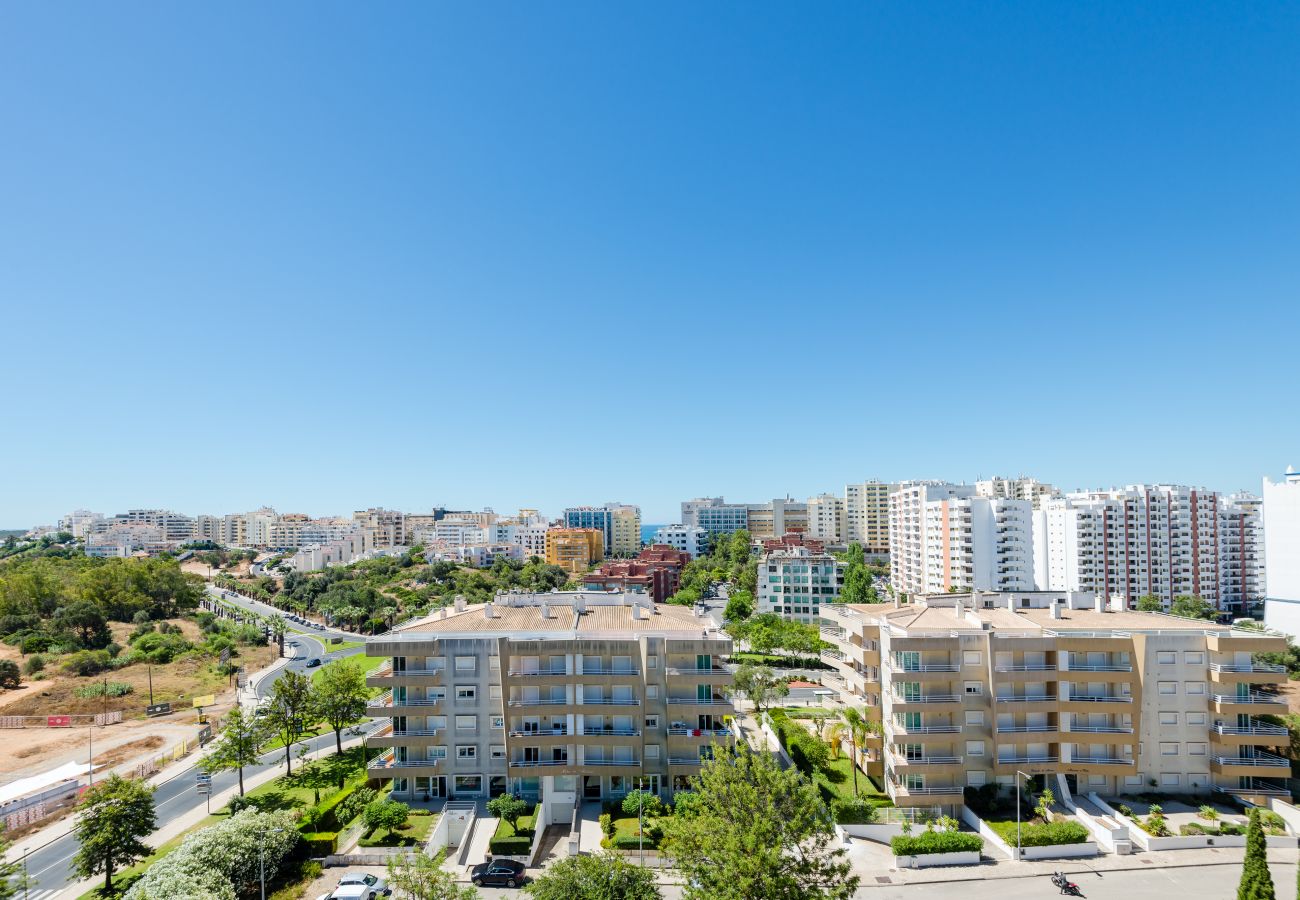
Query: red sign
58	721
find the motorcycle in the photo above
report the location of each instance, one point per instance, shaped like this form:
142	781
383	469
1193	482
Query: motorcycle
1065	885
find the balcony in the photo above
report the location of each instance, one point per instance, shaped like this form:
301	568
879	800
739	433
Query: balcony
542	702
543	672
687	761
612	763
1256	788
927	729
553	732
619	672
1279	731
1103	667
1028	729
932	792
387	736
927	760
1032	701
699	732
1033	667
1260	764
1256	673
715	701
1103	760
1101	729
588	731
926	698
385	705
387	764
608	701
1255	701
1027	760
538	763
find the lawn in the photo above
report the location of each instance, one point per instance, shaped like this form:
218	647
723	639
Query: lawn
320	777
413	834
778	660
508	841
368	665
626	833
835	780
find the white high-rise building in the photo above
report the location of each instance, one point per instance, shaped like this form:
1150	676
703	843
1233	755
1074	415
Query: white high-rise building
1022	488
1163	540
826	518
1282	552
866	516
687	538
907	531
79	522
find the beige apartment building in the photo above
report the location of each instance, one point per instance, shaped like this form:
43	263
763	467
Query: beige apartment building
971	689
560	697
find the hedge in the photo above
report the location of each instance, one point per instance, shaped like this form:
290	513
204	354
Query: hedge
853	810
631	842
511	846
320	843
1050	834
936	842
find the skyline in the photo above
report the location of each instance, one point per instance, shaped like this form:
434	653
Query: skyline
325	258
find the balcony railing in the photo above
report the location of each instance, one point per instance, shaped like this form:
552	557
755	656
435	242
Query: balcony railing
387	700
696	701
689	670
1028	729
542	701
1260	730
538	763
1027	698
551	670
611	762
609	701
926	698
1262	759
926	760
1102	760
928	729
1036	667
701	732
1253	697
561	731
1099	668
931	667
1101	729
382	761
1257	786
685	761
606	670
1249	669
1026	760
610	732
388	760
1099	698
920	791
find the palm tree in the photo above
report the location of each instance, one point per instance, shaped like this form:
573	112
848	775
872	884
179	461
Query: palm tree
857	726
834	733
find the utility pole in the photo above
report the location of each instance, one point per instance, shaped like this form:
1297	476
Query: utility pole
151	684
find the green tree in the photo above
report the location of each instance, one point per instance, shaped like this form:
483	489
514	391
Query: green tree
237	745
857	585
740	605
1192	607
760	685
85	622
422	877
290	711
857	726
642	803
508	807
112	818
14	879
389	815
340	697
278	630
1256	882
1150	603
606	876
759	832
9	677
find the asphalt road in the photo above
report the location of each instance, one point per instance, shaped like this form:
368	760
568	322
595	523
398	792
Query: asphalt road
51	865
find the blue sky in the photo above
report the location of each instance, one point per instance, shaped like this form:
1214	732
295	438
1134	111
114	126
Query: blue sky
331	255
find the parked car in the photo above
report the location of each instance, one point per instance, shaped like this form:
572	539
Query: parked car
376	884
350	892
498	873
313	662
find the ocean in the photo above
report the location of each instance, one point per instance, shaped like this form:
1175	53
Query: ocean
648	532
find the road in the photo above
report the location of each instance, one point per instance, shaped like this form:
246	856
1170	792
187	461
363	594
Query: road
51	865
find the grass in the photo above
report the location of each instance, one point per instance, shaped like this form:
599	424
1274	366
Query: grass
835	780
778	660
299	790
368	665
413	834
625	827
526	827
332	647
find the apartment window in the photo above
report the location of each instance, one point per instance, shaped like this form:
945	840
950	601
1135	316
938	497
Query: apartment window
1168	779
1166	657
467	751
498	722
1194	718
975	779
1169	749
494	664
973	687
1194	688
970	658
1194	658
651	751
651	721
973	717
974	748
1096	779
1167	687
1169	718
467	723
469	784
494	692
466	664
652	692
652	662
1196	749
466	693
497	751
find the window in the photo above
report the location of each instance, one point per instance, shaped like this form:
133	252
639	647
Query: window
467	723
1133	780
1194	688
652	662
466	664
1169	718
974	748
1194	658
1166	657
970	658
652	692
467	751
498	722
1168	779
975	779
651	751
1196	718
1168	687
466	693
1169	749
469	784
973	717
497	751
1196	749
1096	779
494	663
974	687
494	692
651	721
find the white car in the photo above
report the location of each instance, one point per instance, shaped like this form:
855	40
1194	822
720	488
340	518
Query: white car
373	883
350	892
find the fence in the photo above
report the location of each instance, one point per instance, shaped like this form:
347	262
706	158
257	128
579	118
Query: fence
178	751
79	720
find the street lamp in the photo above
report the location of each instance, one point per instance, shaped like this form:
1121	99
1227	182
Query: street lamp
1019	851
261	846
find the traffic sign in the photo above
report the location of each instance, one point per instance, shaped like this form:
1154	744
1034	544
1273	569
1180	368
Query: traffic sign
158	709
205	700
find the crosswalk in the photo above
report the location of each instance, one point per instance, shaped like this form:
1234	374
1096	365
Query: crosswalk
35	895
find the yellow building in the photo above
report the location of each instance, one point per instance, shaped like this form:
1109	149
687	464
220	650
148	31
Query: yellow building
625	530
574	549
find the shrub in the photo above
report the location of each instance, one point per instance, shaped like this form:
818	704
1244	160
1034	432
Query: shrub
1271	821
226	854
320	843
113	649
1125	810
516	845
352	804
853	810
1052	834
35	643
632	841
1193	828
387	814
647	803
1209	813
34	664
1232	828
936	842
9	675
1156	824
509	808
607	825
86	662
110	689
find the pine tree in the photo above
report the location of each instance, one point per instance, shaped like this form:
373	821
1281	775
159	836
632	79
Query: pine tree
1256	882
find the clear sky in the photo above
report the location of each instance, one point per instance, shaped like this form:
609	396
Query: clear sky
333	255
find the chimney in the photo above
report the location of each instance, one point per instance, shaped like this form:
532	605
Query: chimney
460	603
489	612
580	606
897	602
1098	603
1011	604
1056	610
958	608
442	613
546	611
1117	603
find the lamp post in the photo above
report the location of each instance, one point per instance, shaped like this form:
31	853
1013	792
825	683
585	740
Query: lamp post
261	847
1019	851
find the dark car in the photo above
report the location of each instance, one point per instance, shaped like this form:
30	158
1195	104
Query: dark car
313	662
499	872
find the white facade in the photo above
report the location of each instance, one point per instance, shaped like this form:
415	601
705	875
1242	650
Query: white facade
796	583
827	518
478	555
908	538
1282	553
715	515
978	542
687	538
866	516
1022	488
79	522
1162	540
126	539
